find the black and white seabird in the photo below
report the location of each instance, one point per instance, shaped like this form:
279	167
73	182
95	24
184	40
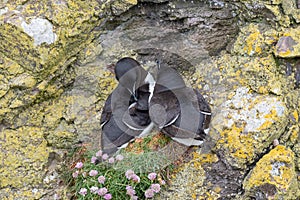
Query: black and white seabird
179	111
125	115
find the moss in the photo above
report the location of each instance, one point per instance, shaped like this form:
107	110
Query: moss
276	168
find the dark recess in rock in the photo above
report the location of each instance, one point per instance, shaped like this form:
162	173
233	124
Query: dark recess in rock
212	26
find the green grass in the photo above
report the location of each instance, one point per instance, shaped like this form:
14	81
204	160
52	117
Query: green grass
116	180
144	156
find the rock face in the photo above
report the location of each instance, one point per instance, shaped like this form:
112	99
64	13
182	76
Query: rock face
247	125
55	61
38	49
274	176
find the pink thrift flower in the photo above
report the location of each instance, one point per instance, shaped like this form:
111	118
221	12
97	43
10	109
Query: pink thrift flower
101	179
129	174
129	187
107	196
102	191
79	165
155	187
93	172
152	176
105	156
99	153
134	198
119	157
94	189
162	182
93	159
135	178
83	191
75	174
149	193
111	160
130	191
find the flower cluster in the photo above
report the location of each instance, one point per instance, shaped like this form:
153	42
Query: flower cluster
103	192
97	178
130	175
150	192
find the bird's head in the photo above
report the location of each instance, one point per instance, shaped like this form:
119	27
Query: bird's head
129	73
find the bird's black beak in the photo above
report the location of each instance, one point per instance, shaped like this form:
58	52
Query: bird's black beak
158	63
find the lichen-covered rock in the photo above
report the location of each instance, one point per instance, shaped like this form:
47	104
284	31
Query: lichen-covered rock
55	63
189	183
38	118
37	44
288	45
24	154
265	12
260	74
119	7
255	40
246	124
291	8
273	177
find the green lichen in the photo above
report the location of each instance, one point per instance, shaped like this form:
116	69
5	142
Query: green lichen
74	24
261	74
24	151
120	6
106	83
290	8
281	18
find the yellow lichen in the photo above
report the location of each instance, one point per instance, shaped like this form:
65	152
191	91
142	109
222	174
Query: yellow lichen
294	133
239	145
286	53
251	42
270	118
263	90
296	115
24	151
200	159
276	168
107	83
254	40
